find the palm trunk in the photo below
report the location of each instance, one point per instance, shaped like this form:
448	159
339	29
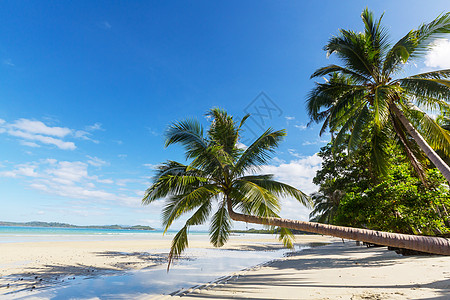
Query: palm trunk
434	245
429	152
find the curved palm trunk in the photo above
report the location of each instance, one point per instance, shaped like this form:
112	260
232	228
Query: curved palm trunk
429	152
435	245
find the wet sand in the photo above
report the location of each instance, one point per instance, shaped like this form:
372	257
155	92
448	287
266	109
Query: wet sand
37	265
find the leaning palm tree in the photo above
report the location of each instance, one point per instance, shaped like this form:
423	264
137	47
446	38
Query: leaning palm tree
365	92
220	176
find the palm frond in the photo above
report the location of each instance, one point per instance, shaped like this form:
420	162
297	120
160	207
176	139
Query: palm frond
179	244
180	240
338	69
263	203
259	152
426	33
189	133
219	230
427	87
357	132
351	48
286	237
278	188
435	135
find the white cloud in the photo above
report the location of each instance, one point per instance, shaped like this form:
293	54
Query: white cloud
84	135
150	166
289	118
318	141
299	174
69	172
43	139
301	126
73	180
40	128
241	146
29	144
96	162
96	126
439	54
32	132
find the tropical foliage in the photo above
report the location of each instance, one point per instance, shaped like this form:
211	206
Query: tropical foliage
219	176
364	92
394	202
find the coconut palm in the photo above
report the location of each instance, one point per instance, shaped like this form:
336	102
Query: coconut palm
364	92
217	178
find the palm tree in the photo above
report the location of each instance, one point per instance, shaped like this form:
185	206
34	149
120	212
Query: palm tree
365	93
219	173
217	176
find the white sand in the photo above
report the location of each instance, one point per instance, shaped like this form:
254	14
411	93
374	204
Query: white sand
340	271
335	271
24	265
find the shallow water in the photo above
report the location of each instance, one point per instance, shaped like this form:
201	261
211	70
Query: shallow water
203	266
17	234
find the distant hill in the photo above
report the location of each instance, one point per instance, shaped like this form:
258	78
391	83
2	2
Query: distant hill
65	225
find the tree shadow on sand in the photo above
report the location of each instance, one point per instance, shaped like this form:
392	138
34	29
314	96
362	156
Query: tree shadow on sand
338	257
51	275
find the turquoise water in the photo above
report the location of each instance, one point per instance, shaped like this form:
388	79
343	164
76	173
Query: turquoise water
19	230
18	234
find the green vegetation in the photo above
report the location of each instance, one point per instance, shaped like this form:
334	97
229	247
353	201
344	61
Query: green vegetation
350	194
380	172
64	225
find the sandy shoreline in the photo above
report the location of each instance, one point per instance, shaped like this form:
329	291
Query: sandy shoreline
334	271
25	266
339	271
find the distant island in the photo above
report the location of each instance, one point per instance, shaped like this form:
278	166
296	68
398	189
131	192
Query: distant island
64	225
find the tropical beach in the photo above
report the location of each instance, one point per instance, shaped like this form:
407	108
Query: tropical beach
225	150
256	268
84	266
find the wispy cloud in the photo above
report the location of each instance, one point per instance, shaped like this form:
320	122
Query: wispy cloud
301	126
96	162
104	25
33	133
8	62
152	131
318	141
439	54
96	126
72	180
150	166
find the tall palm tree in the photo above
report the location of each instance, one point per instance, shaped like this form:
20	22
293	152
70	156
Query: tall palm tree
217	177
365	92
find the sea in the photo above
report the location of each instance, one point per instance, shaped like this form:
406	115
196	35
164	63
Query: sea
204	268
19	234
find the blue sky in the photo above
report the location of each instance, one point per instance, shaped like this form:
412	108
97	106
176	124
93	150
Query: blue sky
88	88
